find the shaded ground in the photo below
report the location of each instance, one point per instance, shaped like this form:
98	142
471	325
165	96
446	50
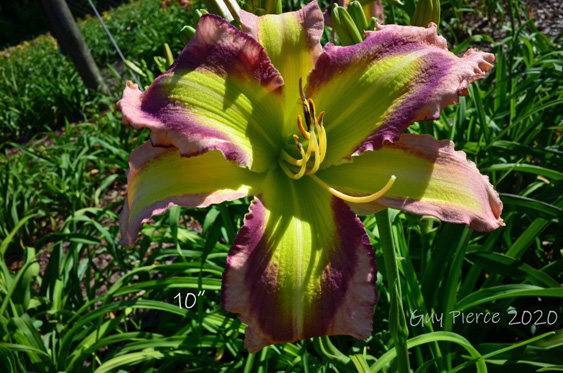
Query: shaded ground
549	17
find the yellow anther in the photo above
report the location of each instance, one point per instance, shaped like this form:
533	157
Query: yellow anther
320	118
301	129
312	108
353	199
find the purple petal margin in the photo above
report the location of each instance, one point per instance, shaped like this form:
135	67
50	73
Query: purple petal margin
448	164
442	78
443	153
217	48
343	305
447	78
145	155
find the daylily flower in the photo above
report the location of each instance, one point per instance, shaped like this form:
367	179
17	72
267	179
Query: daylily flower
314	136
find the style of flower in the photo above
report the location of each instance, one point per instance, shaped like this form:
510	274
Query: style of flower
315	136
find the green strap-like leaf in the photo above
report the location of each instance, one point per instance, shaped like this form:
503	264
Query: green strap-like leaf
429	338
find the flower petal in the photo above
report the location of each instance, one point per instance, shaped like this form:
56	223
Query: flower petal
302	266
291	40
374	90
432	179
159	178
221	93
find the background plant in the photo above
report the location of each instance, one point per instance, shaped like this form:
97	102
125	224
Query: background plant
40	87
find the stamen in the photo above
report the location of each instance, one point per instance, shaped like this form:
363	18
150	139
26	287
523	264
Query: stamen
302	170
322	141
320	118
312	108
322	135
317	154
353	199
312	140
286	170
307	115
316	135
301	91
289	159
301	129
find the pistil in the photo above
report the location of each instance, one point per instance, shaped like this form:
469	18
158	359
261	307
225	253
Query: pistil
356	199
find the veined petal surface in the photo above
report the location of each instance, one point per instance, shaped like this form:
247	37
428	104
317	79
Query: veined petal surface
374	90
221	93
301	266
160	177
432	179
292	41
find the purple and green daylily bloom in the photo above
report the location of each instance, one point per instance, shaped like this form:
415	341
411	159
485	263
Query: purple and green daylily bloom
315	136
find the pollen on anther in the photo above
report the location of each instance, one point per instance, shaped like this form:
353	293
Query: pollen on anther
312	107
320	118
307	115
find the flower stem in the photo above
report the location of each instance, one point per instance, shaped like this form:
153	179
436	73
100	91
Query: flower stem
397	321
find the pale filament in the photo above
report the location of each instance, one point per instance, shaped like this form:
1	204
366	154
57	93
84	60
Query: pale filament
318	159
302	163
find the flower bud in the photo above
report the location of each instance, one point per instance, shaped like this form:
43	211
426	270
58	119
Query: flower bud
200	13
426	11
345	27
273	6
186	34
356	11
371	25
168	53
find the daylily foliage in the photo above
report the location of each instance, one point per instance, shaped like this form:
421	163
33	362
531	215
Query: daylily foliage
315	136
